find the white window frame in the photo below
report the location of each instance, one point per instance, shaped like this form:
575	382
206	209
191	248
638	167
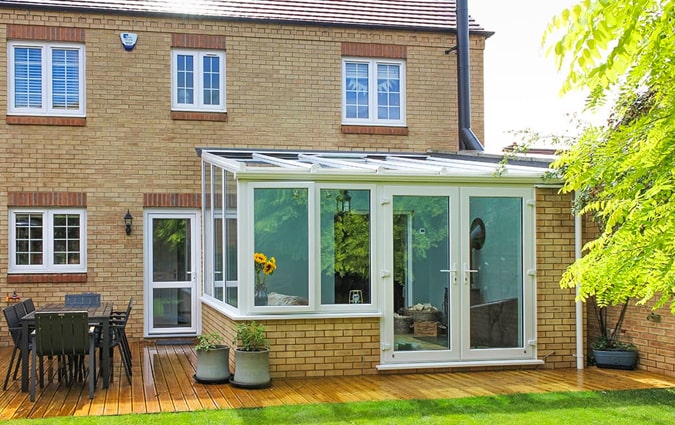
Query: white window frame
198	104
372	92
48	265
47	95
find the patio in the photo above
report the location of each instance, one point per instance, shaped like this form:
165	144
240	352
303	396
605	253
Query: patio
162	382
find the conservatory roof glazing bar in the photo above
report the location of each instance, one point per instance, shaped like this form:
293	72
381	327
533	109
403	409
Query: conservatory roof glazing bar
278	164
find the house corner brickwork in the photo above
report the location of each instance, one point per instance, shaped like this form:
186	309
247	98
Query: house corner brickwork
556	309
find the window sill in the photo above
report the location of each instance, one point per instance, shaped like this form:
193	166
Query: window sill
198	116
371	129
234	314
46	278
46	120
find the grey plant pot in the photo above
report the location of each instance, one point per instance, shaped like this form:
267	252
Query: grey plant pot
616	359
213	366
251	369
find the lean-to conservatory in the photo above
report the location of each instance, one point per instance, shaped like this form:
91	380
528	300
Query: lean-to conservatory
431	258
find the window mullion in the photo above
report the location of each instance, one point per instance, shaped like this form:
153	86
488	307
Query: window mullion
372	87
47	83
48	239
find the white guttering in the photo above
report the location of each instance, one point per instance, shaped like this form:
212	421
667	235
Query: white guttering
579	305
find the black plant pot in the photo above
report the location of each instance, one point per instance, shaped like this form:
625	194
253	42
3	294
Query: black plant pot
616	359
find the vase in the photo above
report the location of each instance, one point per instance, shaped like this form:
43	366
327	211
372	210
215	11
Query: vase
260	296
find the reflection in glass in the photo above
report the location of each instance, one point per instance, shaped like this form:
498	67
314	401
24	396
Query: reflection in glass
171	250
421	252
281	231
345	246
497	286
172	307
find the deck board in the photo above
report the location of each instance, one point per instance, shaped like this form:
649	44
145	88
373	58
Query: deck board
163	381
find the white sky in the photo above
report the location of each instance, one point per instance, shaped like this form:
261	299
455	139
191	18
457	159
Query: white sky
522	85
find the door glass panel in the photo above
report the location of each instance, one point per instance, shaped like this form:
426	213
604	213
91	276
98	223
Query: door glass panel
171	242
172	307
172	285
496	298
421	260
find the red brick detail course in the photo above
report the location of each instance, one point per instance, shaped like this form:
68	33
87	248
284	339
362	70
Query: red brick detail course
198	41
42	33
33	120
46	199
372	50
47	278
181	200
198	116
369	129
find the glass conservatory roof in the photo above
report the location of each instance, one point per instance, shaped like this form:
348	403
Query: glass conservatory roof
369	166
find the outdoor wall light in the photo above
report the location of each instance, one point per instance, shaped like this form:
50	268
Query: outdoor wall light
128	221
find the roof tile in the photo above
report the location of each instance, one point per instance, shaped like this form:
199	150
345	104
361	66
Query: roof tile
429	15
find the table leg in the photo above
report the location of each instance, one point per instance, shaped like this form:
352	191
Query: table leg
25	329
105	358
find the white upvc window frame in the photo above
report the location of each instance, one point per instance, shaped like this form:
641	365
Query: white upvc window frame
372	119
48	265
47	96
198	104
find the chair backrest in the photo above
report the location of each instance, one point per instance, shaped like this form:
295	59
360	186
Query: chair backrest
84	300
21	309
30	306
61	333
119	319
13	323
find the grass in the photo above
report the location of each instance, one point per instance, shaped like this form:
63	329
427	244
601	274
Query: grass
634	407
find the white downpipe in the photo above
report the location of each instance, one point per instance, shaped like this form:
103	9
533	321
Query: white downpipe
579	305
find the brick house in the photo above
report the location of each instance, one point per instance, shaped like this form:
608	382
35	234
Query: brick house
326	134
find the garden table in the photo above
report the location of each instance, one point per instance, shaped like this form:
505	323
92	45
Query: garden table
98	316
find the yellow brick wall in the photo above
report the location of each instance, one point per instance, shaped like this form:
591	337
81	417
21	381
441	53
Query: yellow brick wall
283	91
312	347
556	310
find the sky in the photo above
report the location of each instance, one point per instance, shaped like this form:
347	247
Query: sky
522	84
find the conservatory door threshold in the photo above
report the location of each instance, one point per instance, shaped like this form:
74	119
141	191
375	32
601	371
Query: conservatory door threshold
434	365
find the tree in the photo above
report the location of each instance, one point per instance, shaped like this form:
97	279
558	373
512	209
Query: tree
623	172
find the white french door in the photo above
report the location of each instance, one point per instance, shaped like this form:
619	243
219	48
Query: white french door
461	256
171	273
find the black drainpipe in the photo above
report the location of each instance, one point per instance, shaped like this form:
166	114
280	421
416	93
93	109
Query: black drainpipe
467	138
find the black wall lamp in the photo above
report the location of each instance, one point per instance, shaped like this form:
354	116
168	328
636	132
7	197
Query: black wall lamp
128	221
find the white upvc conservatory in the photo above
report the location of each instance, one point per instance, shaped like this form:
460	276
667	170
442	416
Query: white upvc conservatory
372	235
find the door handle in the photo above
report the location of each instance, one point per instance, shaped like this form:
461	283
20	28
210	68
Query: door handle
453	272
467	274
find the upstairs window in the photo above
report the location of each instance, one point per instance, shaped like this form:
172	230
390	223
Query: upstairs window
198	80
373	92
47	241
46	79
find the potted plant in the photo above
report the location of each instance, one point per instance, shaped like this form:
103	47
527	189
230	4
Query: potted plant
251	357
213	359
608	351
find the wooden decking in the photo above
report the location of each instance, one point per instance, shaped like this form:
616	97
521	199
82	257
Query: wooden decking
163	382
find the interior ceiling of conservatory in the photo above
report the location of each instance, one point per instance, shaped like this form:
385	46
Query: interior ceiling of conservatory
312	165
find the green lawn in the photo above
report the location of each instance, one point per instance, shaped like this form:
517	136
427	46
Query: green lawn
633	407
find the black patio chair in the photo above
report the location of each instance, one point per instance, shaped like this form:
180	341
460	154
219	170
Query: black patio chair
118	324
84	300
13	317
30	306
66	335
